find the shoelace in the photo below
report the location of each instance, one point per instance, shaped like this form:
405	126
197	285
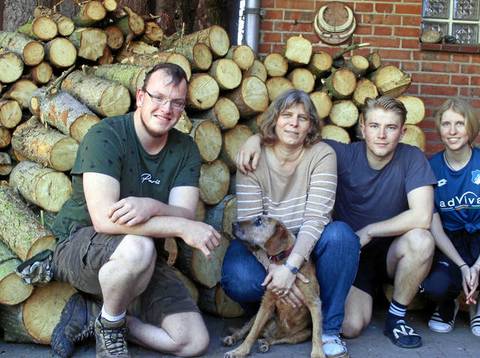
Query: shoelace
115	340
87	333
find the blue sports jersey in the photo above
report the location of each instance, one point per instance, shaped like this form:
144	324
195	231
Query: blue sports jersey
457	193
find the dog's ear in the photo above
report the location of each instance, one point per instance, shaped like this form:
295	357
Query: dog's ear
278	242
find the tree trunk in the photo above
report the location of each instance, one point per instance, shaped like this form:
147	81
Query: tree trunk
197	266
344	113
5	137
41	28
365	89
89	41
214	182
258	70
277	85
215	301
5	164
251	97
42	186
12	289
45	146
391	81
22	92
298	50
41	73
61	52
276	65
302	79
31	51
150	60
105	97
199	55
89	13
222	215
130	76
214	37
414	136
10	113
336	133
11	66
242	55
233	139
415	109
227	73
320	63
322	102
19	227
17	12
208	137
34	320
203	91
341	83
224	113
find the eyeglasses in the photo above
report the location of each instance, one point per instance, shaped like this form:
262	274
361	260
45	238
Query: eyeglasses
177	104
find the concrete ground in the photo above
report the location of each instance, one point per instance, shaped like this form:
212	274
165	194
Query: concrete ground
372	344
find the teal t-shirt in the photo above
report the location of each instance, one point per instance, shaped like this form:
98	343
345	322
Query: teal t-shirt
112	147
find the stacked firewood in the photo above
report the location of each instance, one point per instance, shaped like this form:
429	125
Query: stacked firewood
59	76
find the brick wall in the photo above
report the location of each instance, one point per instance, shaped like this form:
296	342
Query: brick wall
393	28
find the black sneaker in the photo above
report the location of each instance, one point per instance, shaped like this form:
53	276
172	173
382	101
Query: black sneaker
76	325
111	338
37	269
403	335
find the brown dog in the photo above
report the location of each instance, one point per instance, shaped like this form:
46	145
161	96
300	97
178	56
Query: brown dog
270	239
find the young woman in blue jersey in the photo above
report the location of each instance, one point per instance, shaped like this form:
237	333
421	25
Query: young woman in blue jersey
456	222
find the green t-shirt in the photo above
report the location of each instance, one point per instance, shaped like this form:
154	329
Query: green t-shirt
112	147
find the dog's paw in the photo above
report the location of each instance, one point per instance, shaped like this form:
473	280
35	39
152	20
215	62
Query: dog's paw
317	354
229	341
263	346
236	353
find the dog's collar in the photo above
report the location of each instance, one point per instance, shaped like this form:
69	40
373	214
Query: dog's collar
281	256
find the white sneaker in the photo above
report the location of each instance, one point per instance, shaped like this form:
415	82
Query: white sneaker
334	347
439	325
474	320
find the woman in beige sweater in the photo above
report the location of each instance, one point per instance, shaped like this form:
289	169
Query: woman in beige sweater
295	182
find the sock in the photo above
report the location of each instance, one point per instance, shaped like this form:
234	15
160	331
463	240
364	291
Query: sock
446	310
111	318
396	312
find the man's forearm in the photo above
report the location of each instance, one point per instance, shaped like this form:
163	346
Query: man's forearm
399	224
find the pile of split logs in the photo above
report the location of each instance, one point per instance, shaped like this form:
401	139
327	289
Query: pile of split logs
59	76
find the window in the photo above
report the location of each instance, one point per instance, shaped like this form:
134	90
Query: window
458	18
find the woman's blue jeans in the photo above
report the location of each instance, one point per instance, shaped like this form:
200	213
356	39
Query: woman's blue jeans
335	255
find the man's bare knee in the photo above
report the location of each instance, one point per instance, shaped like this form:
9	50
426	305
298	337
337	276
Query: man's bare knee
193	345
352	328
420	242
136	252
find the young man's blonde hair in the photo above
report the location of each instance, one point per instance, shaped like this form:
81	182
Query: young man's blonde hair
464	109
386	103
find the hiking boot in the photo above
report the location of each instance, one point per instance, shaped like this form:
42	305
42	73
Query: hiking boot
75	326
37	269
111	338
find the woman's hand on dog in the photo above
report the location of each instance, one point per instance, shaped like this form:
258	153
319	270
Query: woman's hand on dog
281	281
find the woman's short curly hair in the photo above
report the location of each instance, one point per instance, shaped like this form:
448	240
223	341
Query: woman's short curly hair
464	109
283	102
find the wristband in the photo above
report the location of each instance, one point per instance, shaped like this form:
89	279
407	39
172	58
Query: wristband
462	266
292	268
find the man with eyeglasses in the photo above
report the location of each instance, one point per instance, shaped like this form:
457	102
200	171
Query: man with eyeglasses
135	181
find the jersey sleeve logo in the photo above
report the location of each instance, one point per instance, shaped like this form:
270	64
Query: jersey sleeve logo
476	177
441	182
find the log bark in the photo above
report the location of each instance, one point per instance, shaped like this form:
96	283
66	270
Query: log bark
341	83
160	57
214	181
222	215
22	92
251	97
298	50
277	85
227	73
31	51
184	124
414	136
5	164
19	228
104	97
374	61
322	102
203	91
130	76
110	5
45	146
415	109
358	65
391	81
320	63
34	320
215	301
153	33
65	24
199	56
16	12
42	186
215	37
302	79
224	113
41	28
232	141
61	52
89	13
344	113
208	137
197	266
132	24
90	42
257	70
11	66
365	89
331	131
276	65
242	55
10	113
12	289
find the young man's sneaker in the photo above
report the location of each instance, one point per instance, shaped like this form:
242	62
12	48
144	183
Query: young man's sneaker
75	326
443	319
475	319
403	335
111	338
334	347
